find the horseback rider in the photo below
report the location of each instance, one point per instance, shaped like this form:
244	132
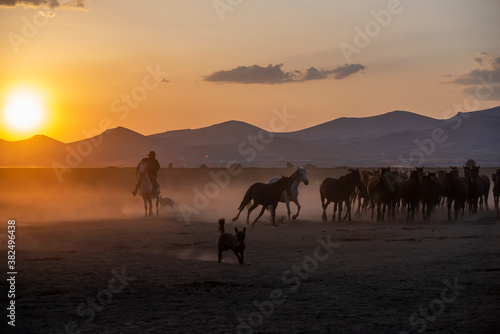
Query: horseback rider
153	166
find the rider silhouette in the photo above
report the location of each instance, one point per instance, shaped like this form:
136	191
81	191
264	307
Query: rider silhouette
153	166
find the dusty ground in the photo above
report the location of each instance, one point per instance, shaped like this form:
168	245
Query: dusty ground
128	274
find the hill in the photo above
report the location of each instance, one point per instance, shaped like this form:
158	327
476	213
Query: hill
395	138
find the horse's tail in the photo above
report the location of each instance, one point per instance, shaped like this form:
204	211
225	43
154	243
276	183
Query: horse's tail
246	199
222	221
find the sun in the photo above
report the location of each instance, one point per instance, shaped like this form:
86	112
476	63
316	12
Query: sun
24	110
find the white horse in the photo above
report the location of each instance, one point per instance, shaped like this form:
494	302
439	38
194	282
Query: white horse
147	191
300	175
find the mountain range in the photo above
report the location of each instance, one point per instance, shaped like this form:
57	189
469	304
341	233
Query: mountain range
397	138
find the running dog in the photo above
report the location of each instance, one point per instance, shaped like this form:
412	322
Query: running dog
227	241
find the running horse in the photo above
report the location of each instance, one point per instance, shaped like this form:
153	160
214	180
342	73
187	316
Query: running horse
147	191
300	175
267	195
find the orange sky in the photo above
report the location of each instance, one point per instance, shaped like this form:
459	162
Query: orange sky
93	62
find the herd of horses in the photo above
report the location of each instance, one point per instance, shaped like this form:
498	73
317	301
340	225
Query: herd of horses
383	190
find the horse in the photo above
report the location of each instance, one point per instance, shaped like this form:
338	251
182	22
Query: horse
476	187
300	175
431	194
147	191
411	192
496	188
381	189
266	195
455	190
486	189
338	191
362	192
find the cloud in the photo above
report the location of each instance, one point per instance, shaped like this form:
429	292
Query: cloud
77	4
346	70
484	80
273	74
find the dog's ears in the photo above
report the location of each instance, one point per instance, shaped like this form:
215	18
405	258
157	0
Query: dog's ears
244	229
236	229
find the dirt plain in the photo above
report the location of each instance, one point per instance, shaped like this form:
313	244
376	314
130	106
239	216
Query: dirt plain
88	261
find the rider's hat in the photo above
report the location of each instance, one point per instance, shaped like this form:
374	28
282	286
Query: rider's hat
152	154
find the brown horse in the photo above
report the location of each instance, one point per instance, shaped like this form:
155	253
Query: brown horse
455	189
411	192
362	192
496	188
266	195
338	191
431	194
381	190
476	187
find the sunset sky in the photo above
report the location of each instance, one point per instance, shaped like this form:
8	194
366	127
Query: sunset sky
159	65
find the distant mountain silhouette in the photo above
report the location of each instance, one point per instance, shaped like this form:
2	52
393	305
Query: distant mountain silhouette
345	129
395	138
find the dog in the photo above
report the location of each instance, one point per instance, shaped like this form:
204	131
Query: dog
166	202
227	241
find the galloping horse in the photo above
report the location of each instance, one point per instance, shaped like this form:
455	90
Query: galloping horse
265	195
338	191
300	175
147	191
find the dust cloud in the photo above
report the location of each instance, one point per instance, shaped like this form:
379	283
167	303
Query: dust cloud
35	196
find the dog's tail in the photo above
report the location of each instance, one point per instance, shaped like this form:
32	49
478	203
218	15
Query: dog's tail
222	221
246	199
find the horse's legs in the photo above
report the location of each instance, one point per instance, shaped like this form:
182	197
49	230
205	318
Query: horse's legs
334	211
250	209
296	201
287	202
408	208
273	214
348	205
449	208
238	215
340	211
157	211
260	215
150	202
145	206
325	206
358	210
347	212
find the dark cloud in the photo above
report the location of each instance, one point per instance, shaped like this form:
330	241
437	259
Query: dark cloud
314	74
251	74
44	3
273	74
483	81
346	70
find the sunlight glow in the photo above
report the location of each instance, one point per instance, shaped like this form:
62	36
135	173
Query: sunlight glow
24	110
